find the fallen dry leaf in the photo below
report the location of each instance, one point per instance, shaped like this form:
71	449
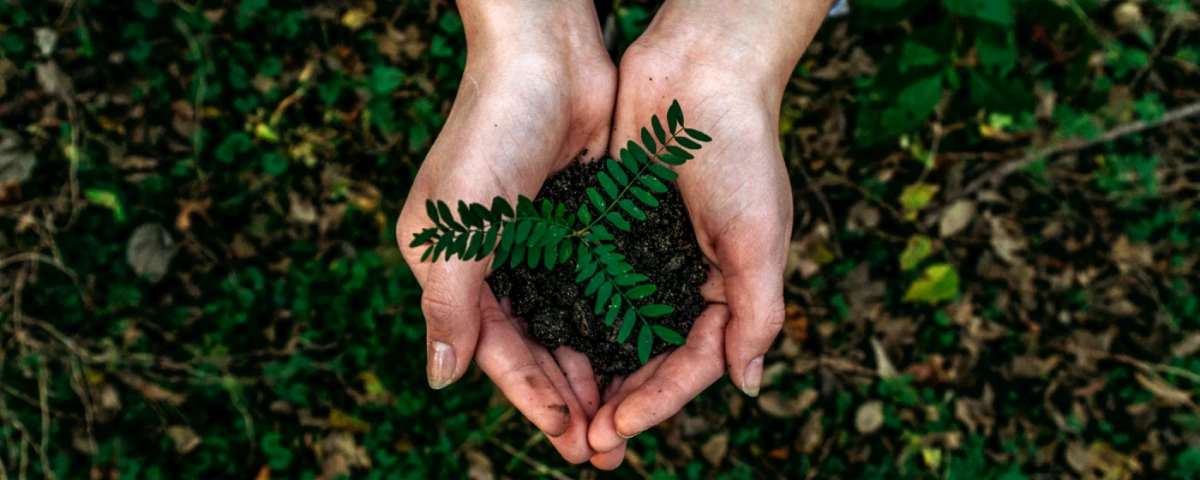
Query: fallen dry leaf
150	250
184	437
479	467
869	417
882	364
811	435
1166	393
773	403
16	160
957	218
795	323
715	448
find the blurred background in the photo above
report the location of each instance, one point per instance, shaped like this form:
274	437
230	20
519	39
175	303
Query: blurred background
992	277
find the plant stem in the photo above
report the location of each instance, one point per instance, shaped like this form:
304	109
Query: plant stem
625	190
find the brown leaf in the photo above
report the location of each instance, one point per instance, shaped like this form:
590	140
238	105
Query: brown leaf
812	434
1130	256
1007	243
152	391
150	250
1166	393
16	159
773	403
479	467
184	437
976	412
1187	347
341	453
869	417
52	79
863	217
715	448
187	207
957	217
302	210
795	323
882	364
241	247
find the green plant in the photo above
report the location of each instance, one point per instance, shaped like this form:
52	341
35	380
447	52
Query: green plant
549	236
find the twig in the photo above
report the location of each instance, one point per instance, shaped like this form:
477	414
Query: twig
1153	55
833	225
43	402
1126	359
1071	145
540	467
201	90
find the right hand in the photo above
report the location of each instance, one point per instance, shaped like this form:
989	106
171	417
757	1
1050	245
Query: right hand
537	93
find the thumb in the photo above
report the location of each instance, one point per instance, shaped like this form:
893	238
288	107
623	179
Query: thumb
450	301
754	291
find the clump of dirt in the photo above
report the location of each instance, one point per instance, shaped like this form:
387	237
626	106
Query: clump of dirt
662	247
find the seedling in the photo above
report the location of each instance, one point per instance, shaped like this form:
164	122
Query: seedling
547	236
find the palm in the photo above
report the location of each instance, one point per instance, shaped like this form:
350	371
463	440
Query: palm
739	199
513	124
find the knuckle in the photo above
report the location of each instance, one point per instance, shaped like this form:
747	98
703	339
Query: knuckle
440	306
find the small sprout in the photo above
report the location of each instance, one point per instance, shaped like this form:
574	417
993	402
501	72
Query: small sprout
543	235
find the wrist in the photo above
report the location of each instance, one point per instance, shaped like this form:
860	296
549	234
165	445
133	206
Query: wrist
759	41
517	27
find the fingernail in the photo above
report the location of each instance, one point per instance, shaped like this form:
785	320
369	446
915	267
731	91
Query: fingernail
619	434
752	380
441	365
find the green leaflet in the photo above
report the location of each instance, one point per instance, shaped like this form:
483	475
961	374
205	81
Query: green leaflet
659	131
668	335
607	184
627	324
645	344
618	173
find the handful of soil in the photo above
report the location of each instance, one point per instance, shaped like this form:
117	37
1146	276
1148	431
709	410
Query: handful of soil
662	247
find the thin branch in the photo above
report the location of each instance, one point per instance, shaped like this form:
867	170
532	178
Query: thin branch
1071	145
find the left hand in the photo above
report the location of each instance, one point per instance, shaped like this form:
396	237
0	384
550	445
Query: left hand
727	64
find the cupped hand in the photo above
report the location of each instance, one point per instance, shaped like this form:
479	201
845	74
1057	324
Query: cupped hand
736	191
537	93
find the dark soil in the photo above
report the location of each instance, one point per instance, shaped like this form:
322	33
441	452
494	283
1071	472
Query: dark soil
663	247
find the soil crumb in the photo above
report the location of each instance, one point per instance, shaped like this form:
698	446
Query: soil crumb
662	247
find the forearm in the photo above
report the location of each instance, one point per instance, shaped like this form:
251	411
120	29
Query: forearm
763	38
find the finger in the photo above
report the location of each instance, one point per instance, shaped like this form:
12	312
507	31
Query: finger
507	360
579	374
713	289
686	372
609	460
450	301
602	435
754	291
614	387
572	444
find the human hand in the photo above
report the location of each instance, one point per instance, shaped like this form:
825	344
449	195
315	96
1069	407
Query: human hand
727	63
537	92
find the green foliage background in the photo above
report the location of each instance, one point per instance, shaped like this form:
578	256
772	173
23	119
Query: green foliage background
1041	324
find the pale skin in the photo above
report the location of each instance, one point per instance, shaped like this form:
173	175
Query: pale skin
539	90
